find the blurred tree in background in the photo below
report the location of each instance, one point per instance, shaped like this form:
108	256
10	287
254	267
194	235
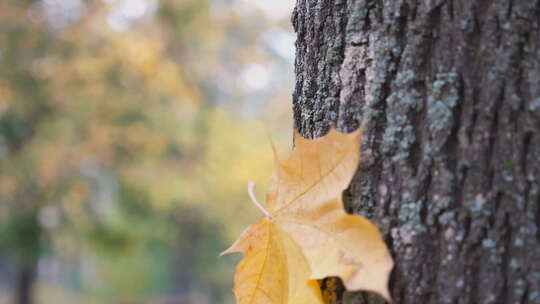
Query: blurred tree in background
128	130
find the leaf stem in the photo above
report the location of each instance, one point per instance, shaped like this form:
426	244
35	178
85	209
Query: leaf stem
251	186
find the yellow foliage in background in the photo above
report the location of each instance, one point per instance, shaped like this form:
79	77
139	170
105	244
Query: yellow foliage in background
126	143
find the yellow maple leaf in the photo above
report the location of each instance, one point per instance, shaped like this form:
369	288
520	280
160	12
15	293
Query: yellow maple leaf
306	234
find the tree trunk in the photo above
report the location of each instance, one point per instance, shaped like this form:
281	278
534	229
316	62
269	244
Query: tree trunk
449	94
24	284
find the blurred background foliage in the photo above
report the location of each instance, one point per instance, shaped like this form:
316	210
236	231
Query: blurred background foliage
128	132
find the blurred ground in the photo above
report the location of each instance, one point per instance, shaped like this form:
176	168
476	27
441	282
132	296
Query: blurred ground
128	132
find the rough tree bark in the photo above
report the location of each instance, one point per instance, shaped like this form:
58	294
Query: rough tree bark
449	93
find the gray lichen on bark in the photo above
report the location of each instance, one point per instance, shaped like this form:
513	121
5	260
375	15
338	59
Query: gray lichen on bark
449	94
